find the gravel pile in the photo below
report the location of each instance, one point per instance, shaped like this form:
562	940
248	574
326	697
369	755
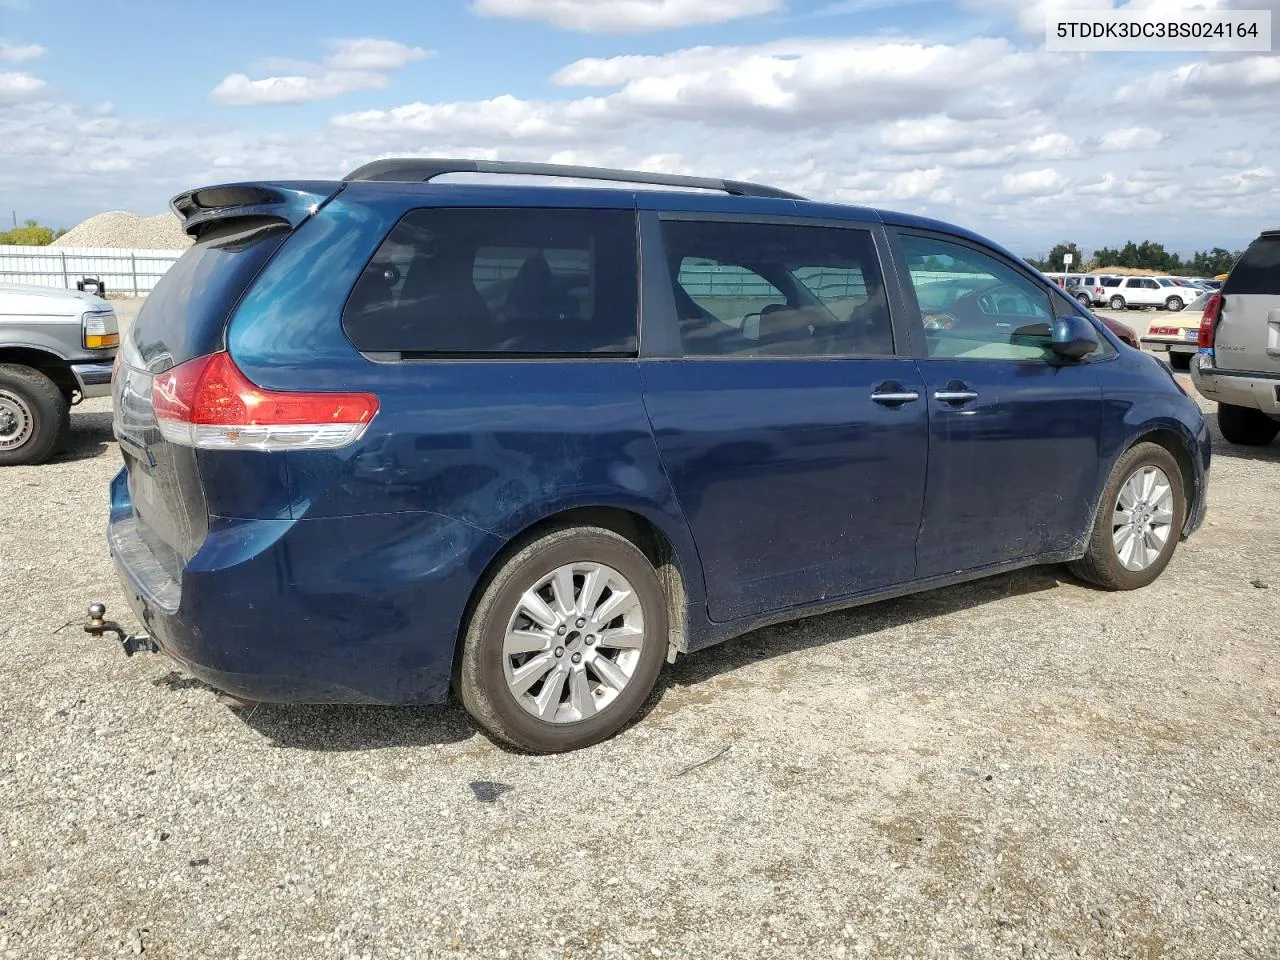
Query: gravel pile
120	229
1016	768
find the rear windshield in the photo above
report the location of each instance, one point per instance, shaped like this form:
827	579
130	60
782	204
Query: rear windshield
1258	271
511	281
186	313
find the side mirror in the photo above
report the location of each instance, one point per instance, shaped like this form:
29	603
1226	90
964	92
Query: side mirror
1074	337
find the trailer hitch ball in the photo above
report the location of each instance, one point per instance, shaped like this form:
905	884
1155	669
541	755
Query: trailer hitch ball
130	643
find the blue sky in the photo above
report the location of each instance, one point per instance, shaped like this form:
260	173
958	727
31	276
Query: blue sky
948	107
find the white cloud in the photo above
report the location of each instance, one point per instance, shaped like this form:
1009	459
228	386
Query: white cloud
625	16
1130	139
794	84
369	53
238	90
357	64
1032	183
20	53
19	86
1228	85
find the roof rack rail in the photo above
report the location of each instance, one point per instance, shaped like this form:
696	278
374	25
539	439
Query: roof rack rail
417	170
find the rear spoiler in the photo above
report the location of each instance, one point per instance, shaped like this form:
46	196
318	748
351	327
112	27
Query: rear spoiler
286	202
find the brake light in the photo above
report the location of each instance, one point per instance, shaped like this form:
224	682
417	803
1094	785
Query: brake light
1163	331
1209	322
207	402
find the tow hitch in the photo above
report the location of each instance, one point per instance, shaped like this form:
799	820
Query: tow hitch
132	643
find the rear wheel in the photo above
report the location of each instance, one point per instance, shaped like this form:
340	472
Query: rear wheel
1246	426
1174	304
1084	300
566	641
1139	521
1116	303
34	416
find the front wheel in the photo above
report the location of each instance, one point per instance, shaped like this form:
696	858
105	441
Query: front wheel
566	641
1139	521
1117	303
34	416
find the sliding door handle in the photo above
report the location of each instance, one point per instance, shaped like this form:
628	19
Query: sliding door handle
894	398
955	396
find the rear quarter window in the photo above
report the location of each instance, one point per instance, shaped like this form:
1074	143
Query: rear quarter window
1258	271
451	281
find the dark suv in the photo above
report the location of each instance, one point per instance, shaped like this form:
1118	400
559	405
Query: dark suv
390	435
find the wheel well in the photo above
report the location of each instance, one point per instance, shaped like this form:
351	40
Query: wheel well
51	365
1173	442
646	535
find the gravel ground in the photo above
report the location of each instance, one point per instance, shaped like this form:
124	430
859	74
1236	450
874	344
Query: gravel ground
1020	767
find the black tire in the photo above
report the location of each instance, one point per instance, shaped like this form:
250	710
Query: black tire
1100	565
1174	304
1084	301
28	395
1246	426
1180	361
1116	303
481	678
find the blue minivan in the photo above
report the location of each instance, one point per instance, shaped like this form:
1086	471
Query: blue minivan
475	425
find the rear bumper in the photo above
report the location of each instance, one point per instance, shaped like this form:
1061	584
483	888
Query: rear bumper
1255	390
342	610
1170	346
94	379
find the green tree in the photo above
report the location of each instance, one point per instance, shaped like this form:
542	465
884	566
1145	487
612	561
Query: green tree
1052	263
30	234
1210	263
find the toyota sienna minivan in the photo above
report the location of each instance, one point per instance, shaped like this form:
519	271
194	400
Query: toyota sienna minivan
526	437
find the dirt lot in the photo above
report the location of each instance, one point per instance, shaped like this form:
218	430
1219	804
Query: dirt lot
1019	767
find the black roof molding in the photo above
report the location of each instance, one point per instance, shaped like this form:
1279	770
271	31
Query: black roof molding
413	170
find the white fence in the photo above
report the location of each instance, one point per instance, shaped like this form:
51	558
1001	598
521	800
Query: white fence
132	272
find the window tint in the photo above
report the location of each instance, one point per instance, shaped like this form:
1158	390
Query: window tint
467	281
758	289
1110	281
974	305
1258	271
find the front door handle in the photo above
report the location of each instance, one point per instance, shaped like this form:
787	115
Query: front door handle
893	395
956	392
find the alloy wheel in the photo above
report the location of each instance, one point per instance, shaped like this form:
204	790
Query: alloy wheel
573	643
1142	521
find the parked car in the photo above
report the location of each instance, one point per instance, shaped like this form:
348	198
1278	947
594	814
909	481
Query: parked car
56	349
533	441
1123	331
1088	289
1147	292
1239	360
1177	336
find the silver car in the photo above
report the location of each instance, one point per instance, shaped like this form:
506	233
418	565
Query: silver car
1239	360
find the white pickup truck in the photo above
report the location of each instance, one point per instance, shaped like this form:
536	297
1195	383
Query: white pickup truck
1164	292
57	347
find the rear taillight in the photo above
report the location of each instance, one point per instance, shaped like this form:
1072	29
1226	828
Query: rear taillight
1209	322
207	402
1163	331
